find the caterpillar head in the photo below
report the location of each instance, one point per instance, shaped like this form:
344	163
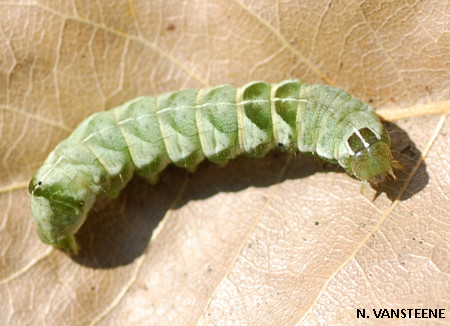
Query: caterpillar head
372	159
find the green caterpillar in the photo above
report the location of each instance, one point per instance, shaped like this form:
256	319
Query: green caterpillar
185	127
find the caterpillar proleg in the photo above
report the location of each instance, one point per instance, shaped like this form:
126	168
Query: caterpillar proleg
146	134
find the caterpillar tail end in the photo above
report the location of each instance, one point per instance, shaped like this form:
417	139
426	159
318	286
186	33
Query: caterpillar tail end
57	215
69	245
363	186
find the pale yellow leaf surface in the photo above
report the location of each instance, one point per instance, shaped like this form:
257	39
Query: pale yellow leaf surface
279	240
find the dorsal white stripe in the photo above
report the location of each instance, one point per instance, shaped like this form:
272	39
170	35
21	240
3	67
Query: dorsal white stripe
366	144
